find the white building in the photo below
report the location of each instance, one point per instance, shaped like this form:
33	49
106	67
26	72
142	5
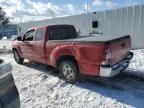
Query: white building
115	22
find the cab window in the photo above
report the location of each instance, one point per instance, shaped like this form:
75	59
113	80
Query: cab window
39	34
29	35
62	33
54	34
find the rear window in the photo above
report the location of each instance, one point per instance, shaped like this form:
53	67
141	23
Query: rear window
62	33
71	32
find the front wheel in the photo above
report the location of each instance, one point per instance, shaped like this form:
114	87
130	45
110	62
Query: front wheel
68	71
17	57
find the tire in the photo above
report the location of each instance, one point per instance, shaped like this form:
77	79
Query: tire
69	71
17	57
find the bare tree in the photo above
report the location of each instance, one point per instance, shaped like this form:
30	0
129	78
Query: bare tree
3	19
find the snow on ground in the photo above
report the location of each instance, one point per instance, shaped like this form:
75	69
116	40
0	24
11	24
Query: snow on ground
40	87
5	44
136	66
138	60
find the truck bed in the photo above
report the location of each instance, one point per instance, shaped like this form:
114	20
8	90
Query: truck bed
120	46
94	39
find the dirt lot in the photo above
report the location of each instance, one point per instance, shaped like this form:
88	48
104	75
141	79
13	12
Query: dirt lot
40	87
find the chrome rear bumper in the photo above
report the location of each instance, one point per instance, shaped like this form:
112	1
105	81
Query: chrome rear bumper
112	70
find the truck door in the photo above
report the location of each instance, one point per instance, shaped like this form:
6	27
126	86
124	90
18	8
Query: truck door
38	46
27	47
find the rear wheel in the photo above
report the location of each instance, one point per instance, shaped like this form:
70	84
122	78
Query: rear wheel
69	71
17	57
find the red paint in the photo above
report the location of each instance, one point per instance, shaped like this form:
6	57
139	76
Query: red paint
89	56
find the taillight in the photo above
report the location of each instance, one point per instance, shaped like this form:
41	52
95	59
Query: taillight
107	58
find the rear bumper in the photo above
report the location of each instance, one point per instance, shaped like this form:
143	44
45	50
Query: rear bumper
112	70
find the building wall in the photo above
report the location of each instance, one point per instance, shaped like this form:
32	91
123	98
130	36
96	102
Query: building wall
112	23
8	30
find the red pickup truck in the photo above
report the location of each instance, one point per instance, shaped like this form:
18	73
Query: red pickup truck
74	56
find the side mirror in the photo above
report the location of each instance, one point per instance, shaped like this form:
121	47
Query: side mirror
19	38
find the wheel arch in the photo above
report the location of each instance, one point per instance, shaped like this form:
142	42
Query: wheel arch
14	49
62	53
66	58
17	49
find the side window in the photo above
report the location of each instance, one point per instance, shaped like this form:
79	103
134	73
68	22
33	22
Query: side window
58	34
63	33
39	34
54	34
71	32
29	35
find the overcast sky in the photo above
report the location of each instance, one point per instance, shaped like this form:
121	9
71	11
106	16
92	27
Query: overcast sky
30	10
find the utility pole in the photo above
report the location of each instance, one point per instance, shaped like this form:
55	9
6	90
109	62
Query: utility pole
21	20
51	13
19	27
86	7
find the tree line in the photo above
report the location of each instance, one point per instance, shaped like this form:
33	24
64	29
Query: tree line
3	19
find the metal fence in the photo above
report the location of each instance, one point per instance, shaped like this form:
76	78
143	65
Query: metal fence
112	23
123	21
8	30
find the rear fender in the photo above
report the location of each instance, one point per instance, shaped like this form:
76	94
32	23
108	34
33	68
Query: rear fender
61	51
89	57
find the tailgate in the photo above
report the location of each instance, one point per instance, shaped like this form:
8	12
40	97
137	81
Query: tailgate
120	48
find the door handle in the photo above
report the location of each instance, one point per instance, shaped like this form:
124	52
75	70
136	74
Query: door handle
27	43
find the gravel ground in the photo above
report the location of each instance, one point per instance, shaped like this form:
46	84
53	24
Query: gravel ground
40	87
